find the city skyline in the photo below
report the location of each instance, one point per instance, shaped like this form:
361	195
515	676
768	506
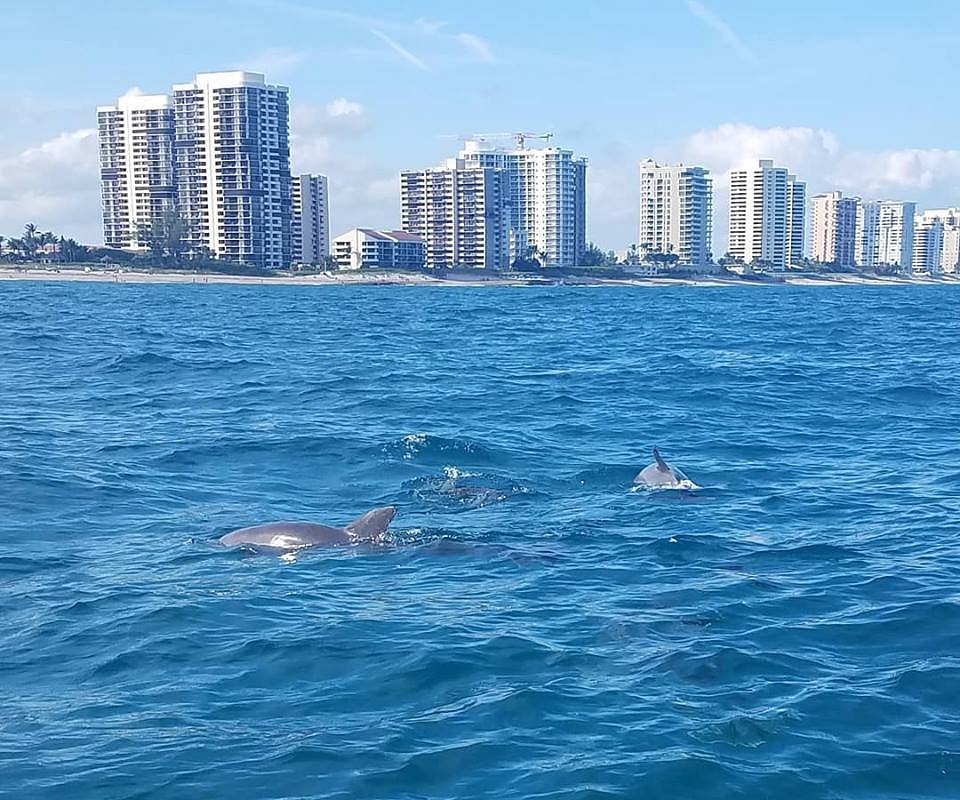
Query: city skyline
358	83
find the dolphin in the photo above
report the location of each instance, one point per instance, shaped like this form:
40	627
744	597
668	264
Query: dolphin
661	475
297	535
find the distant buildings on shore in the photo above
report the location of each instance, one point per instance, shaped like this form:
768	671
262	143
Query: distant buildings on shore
206	170
490	206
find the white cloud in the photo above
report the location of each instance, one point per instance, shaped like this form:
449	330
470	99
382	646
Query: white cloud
275	61
133	91
477	47
55	185
429	26
313	126
729	36
324	139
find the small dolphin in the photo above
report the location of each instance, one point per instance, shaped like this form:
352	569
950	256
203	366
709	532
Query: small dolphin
661	475
297	535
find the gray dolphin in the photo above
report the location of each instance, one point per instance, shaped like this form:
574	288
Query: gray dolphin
661	475
297	535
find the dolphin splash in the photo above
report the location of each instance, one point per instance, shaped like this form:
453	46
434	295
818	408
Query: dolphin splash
288	536
661	475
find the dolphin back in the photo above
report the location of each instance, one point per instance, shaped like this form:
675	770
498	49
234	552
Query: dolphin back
285	536
372	524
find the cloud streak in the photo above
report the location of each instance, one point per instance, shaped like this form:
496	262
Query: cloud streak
399	49
477	47
719	26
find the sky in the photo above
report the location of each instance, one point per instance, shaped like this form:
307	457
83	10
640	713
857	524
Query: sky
858	95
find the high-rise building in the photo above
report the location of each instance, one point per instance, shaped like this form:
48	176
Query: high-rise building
233	167
676	211
796	219
935	240
547	198
758	215
868	222
834	229
310	224
895	234
364	247
950	255
136	168
460	210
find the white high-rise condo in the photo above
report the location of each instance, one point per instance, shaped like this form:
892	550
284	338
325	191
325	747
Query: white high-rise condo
868	222
546	198
895	235
759	214
136	168
233	167
311	219
936	240
835	229
796	219
676	211
460	210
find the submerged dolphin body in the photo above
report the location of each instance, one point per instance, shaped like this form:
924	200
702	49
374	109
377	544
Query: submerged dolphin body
297	535
661	475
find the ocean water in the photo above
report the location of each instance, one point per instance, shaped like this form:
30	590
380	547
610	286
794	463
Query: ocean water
532	628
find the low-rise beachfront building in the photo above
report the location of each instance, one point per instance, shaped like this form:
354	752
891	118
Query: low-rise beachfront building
367	248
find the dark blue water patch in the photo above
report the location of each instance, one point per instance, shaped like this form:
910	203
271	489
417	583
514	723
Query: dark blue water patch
791	633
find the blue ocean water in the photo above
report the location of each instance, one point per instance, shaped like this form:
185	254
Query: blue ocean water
534	629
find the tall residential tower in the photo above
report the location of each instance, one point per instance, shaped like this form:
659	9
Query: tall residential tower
936	239
834	229
546	197
460	210
796	219
676	211
136	168
311	219
233	167
895	234
758	214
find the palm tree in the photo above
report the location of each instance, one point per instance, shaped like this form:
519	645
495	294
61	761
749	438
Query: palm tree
14	246
29	239
44	239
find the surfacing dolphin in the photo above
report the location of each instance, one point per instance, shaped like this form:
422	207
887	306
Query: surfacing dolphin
661	475
298	535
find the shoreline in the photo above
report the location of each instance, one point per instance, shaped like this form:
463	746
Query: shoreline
416	279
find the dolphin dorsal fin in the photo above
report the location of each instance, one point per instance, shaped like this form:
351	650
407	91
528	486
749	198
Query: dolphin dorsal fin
371	524
661	464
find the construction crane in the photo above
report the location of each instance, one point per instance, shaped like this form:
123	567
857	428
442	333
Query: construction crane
520	137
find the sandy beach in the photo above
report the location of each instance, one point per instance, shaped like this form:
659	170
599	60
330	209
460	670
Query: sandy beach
11	273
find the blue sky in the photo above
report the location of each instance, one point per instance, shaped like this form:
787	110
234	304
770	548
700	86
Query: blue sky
854	95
